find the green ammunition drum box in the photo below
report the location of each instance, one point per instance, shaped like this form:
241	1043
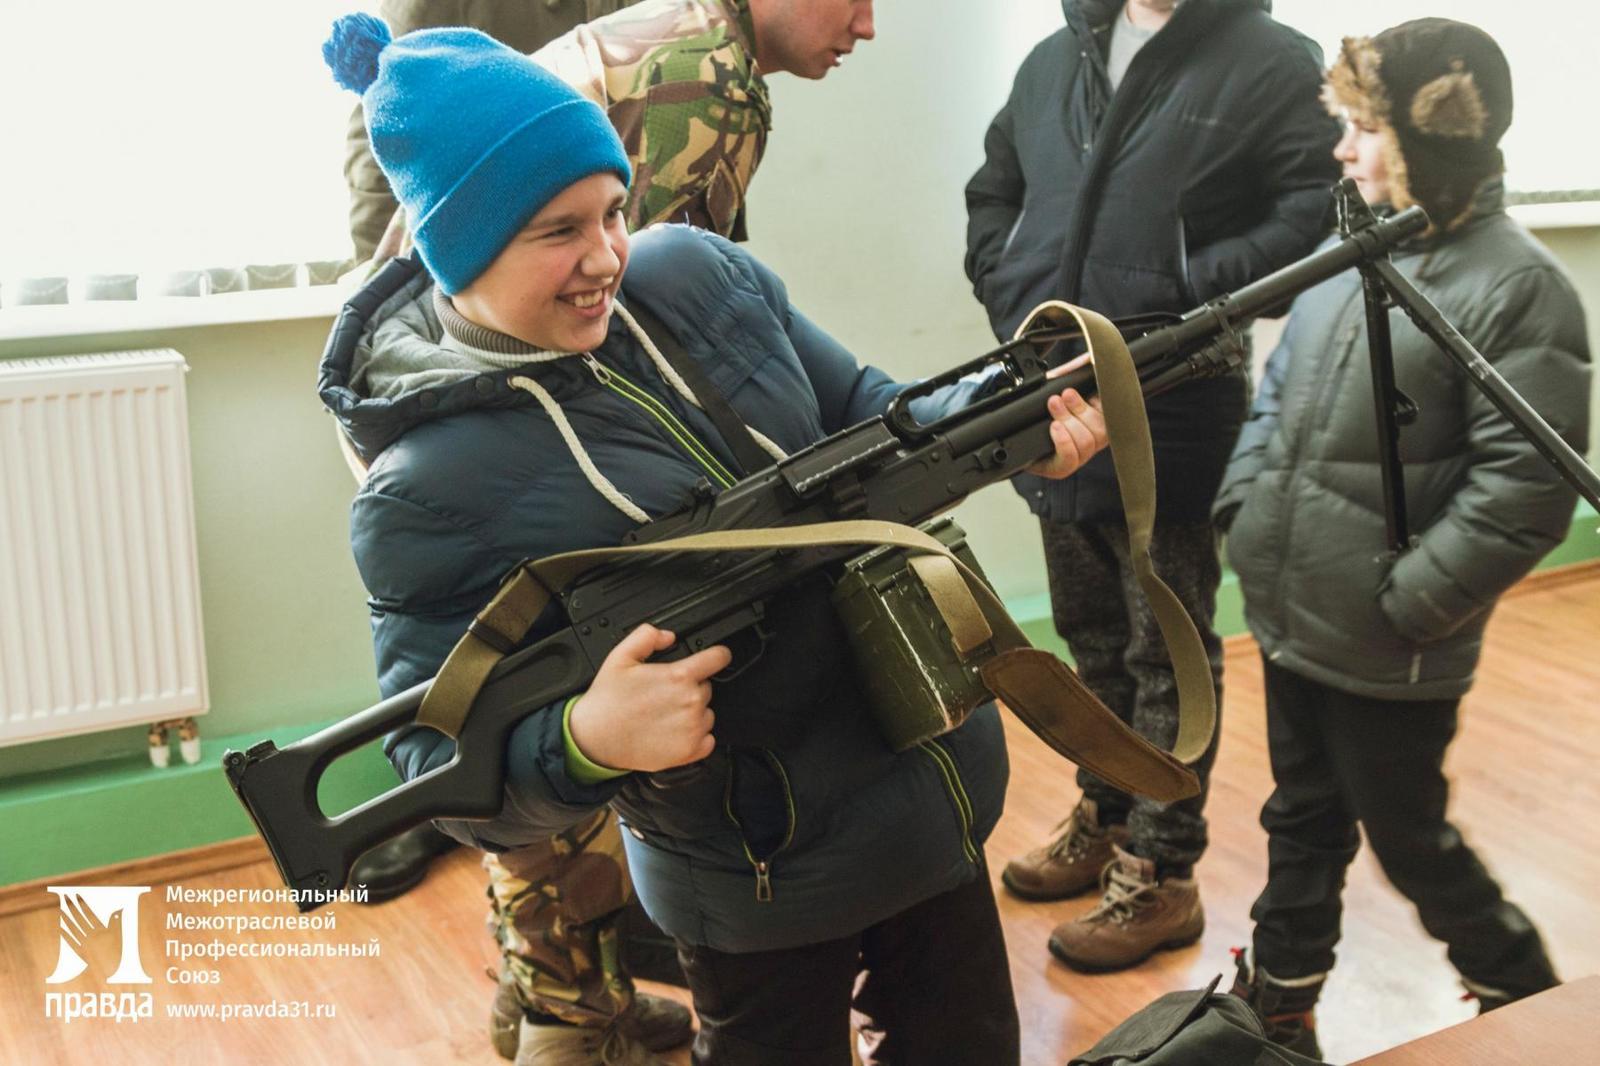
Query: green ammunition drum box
918	685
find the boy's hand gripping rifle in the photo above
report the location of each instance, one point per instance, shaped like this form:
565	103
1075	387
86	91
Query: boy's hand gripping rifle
891	469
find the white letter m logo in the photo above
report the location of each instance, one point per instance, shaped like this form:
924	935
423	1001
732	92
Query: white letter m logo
93	919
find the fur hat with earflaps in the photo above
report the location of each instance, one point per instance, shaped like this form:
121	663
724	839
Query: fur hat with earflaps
1441	92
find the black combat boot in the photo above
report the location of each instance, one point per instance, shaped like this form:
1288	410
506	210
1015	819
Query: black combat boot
1286	1007
396	866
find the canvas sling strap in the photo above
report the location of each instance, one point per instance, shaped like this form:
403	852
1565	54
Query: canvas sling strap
1133	459
746	451
1041	690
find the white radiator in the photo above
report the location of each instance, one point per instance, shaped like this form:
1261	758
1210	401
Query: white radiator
99	587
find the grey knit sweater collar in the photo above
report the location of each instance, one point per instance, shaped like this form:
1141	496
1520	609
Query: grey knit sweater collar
493	347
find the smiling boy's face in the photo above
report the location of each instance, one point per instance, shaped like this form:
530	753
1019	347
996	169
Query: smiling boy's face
554	285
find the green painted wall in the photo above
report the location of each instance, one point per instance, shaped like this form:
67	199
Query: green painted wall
285	624
122	808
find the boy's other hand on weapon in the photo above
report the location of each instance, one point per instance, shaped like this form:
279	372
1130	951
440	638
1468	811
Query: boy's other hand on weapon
640	715
1077	428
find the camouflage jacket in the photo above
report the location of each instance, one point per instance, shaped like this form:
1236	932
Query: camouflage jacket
679	81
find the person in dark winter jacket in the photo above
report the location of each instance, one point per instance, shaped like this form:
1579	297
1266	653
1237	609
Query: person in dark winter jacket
1368	654
1152	155
511	405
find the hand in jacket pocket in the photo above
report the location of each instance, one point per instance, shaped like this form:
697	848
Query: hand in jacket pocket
1414	613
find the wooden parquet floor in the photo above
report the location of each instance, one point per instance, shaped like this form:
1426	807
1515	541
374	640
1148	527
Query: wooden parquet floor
1527	774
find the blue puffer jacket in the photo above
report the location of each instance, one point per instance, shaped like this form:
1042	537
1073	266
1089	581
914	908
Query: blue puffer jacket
470	476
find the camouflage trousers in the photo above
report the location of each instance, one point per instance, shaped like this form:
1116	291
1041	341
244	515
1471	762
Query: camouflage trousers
554	911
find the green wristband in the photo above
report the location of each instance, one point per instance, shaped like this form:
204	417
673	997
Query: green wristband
580	767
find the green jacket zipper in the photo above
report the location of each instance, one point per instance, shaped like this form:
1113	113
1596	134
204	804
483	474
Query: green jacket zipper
620	385
958	795
763	865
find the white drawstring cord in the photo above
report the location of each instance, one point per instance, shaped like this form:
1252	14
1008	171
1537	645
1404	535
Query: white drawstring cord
601	483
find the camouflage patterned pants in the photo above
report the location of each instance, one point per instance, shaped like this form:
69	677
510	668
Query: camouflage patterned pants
554	908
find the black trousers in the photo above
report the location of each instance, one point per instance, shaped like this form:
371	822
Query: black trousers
1116	644
927	986
1339	761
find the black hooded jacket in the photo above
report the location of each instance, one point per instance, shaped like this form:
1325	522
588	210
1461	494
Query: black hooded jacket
1208	168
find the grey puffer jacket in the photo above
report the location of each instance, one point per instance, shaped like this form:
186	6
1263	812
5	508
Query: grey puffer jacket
1303	490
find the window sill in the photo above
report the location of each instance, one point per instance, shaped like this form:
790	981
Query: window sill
92	317
1572	214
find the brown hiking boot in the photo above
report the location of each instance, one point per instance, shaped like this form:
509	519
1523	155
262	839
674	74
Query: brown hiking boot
1136	917
1071	863
654	1021
575	1045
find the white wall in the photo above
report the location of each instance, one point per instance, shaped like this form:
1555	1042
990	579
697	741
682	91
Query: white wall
858	206
1549	68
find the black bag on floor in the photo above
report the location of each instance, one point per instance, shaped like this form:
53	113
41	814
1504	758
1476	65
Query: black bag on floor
1193	1028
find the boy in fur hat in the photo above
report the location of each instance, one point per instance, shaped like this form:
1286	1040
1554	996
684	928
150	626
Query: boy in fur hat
1367	655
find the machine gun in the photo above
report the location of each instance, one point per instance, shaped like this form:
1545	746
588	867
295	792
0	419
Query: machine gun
893	468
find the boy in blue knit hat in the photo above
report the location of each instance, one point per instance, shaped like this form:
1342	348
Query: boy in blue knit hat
511	405
564	967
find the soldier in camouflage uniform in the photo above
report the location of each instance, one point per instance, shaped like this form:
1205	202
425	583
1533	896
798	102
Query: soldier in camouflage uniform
679	81
554	913
683	83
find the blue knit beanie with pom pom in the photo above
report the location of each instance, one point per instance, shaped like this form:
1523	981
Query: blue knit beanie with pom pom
475	137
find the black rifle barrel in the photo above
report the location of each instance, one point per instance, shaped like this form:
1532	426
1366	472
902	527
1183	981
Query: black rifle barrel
1166	356
1275	290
